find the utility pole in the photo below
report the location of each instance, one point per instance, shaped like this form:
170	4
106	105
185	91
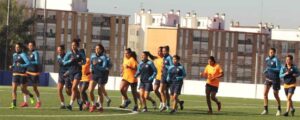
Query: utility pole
7	33
44	35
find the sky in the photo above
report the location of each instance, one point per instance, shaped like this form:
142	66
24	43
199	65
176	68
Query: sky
248	12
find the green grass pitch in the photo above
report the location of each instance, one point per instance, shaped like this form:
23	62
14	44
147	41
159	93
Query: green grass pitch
195	108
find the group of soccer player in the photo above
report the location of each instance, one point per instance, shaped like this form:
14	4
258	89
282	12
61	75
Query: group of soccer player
163	74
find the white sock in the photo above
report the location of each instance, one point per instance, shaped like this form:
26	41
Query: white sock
98	99
79	101
38	99
123	102
25	98
164	104
62	103
71	102
100	105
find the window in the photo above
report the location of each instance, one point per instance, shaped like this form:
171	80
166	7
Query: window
153	20
199	23
175	22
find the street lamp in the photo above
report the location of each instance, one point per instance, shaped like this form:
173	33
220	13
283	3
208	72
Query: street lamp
7	33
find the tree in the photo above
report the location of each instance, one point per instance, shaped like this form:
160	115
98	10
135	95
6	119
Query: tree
18	29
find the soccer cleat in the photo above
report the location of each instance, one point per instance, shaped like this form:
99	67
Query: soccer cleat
12	106
145	110
69	107
219	106
265	112
163	109
127	103
24	104
31	100
173	111
293	112
181	104
154	105
286	114
108	102
93	108
278	113
62	107
87	106
80	106
38	105
100	109
135	109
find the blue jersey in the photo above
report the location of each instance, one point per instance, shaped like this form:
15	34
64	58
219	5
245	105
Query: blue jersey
168	61
147	71
98	63
34	59
176	73
289	78
273	68
75	60
20	62
109	63
62	68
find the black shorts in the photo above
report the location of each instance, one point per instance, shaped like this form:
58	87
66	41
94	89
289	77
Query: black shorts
175	88
99	79
19	79
157	82
33	79
290	90
146	86
275	84
76	75
84	84
211	88
64	80
132	85
106	75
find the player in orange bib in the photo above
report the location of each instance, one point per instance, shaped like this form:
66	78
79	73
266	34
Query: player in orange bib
213	72
84	83
129	69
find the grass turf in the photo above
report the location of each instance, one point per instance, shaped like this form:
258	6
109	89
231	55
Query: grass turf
195	108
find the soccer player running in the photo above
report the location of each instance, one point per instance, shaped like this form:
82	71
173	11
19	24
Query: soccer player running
105	95
98	68
289	72
272	79
20	63
33	74
213	72
176	74
129	69
164	89
147	71
158	62
62	81
84	83
75	59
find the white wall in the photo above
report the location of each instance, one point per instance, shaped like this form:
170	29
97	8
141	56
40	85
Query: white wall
192	87
67	5
286	34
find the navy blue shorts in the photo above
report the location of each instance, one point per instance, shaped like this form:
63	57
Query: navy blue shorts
99	79
175	88
211	88
64	80
289	90
146	86
275	84
84	84
157	82
19	79
33	79
75	76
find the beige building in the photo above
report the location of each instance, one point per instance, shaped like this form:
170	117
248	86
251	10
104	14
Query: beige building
62	27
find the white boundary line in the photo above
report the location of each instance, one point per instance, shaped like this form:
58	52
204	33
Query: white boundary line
71	116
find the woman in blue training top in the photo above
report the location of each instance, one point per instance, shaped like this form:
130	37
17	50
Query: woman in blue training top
75	59
147	71
289	72
176	74
98	68
20	62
